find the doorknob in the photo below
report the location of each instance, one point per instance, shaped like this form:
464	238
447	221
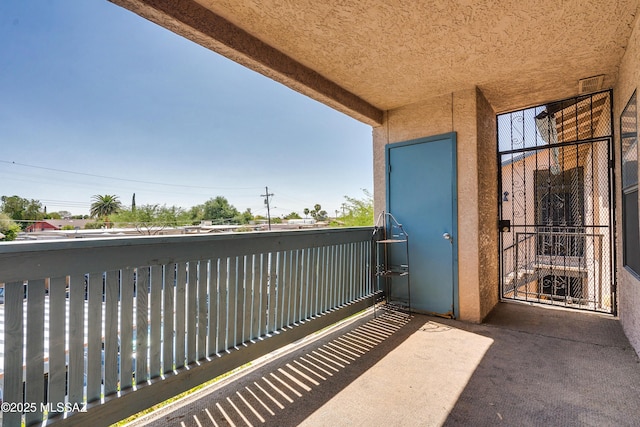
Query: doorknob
447	236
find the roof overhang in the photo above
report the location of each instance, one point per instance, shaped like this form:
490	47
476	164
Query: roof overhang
365	57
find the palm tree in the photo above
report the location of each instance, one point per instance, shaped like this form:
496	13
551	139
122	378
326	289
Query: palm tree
103	206
316	210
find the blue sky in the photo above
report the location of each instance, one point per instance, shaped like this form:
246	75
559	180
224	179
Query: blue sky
90	88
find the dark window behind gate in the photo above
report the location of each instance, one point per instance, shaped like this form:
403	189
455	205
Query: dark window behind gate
555	203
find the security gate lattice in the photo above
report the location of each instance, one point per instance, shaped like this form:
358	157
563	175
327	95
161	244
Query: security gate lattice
555	203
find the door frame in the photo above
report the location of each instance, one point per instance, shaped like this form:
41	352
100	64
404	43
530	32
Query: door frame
452	137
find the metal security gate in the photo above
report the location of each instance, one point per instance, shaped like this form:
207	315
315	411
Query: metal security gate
556	203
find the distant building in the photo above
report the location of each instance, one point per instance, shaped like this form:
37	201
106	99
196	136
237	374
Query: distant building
57	224
302	221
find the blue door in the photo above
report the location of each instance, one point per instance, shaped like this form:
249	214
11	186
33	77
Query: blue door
421	195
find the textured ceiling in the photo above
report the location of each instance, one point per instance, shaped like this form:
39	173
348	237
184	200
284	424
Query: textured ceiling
398	52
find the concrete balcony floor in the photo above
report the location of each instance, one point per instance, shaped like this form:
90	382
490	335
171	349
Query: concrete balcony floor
526	366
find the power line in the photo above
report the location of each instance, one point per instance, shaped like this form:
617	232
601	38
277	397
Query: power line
125	179
305	202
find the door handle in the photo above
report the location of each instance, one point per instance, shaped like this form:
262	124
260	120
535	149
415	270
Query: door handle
448	237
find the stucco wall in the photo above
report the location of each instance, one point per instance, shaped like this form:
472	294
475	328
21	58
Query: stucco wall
469	115
464	123
487	205
628	285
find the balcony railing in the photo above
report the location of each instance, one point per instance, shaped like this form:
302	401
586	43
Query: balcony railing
115	326
557	265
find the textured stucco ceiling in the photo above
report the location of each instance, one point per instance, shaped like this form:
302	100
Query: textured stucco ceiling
398	52
394	53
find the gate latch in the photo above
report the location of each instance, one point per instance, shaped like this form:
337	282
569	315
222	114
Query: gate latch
504	225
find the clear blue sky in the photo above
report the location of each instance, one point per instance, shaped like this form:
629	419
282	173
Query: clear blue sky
90	88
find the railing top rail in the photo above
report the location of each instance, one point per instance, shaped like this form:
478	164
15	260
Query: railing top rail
60	258
557	233
520	241
92	242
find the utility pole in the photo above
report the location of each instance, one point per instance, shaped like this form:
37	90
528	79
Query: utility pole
266	195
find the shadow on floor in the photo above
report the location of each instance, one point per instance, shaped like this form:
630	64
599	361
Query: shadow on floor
525	366
551	367
288	389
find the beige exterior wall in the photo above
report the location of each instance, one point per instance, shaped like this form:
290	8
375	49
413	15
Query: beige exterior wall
487	205
469	115
628	285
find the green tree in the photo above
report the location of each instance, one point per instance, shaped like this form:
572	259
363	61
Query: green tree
358	212
196	214
104	206
60	215
151	219
94	225
8	228
317	213
306	212
292	215
20	209
245	217
218	210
